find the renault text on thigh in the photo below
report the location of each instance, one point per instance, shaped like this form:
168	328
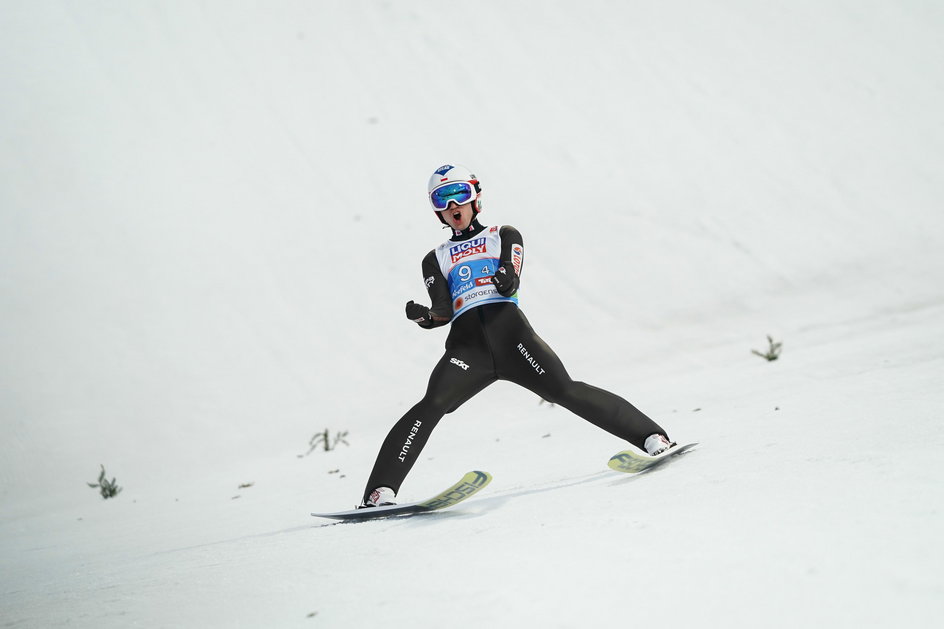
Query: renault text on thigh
527	355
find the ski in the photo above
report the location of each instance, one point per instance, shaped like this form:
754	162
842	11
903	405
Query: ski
470	484
633	462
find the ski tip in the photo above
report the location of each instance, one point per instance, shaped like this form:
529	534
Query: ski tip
478	478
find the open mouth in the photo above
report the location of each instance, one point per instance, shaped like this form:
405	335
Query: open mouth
457	216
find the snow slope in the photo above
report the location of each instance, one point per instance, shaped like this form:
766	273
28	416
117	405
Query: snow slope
212	213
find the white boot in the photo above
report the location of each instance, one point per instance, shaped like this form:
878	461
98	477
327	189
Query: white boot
657	444
380	497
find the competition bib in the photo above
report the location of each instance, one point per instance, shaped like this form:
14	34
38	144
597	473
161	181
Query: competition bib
468	267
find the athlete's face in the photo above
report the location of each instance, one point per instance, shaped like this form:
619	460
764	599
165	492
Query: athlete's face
459	217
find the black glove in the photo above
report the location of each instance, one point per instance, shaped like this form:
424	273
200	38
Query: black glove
418	312
505	282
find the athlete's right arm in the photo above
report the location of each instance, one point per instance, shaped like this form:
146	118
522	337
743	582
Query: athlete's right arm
508	277
441	312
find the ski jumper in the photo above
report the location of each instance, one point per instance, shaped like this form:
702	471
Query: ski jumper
490	340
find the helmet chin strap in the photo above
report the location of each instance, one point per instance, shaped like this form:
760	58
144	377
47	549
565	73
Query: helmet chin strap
473	227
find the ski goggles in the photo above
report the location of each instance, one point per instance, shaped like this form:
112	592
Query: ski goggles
460	192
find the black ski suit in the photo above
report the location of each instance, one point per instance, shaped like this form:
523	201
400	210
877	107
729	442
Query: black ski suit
492	342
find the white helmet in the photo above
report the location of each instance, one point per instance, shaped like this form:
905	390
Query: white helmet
454	184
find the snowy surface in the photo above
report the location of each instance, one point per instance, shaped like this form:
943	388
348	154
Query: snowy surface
212	213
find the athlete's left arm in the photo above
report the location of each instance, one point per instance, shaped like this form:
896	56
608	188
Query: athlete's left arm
508	277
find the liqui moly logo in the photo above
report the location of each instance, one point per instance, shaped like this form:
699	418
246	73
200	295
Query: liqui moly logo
466	249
